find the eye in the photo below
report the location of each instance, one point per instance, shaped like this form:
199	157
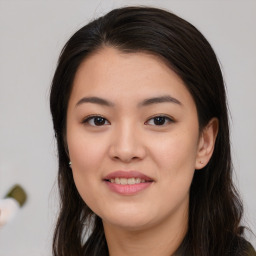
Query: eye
96	121
159	120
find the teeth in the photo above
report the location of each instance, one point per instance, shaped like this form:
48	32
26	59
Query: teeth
137	180
123	181
130	181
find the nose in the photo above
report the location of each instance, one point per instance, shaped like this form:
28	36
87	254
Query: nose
127	144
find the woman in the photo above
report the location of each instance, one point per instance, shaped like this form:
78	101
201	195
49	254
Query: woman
140	117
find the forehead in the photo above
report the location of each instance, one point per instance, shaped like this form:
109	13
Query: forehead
115	74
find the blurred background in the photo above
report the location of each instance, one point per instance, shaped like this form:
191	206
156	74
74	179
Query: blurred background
32	34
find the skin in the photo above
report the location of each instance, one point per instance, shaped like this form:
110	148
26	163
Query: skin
152	221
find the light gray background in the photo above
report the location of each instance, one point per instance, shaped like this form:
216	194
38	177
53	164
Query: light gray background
32	34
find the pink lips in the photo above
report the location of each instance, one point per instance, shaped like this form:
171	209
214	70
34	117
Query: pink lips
128	189
127	175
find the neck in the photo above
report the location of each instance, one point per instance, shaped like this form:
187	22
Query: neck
162	239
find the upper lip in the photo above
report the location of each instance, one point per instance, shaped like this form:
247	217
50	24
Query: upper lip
127	175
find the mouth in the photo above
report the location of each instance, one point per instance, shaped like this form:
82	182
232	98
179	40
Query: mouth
127	177
127	182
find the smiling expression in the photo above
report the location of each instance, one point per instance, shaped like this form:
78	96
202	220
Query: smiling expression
133	138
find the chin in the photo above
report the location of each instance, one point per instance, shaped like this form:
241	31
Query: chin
129	226
129	221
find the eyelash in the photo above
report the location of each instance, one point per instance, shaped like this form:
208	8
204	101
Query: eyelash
90	118
167	120
160	118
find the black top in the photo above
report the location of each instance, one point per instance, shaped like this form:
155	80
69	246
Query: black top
244	249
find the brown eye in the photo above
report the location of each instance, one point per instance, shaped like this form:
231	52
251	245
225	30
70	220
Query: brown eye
96	121
159	120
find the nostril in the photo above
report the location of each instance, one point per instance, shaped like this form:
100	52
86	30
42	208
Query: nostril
126	149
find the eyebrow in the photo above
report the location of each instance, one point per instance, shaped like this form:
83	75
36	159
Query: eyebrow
95	100
146	102
161	99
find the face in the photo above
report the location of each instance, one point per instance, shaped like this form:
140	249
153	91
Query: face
133	138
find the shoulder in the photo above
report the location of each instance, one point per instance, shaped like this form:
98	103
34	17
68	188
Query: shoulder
244	248
250	250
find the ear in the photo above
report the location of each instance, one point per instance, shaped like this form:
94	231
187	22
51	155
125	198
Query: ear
206	143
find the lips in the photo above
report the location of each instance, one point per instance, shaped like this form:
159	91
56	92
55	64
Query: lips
127	182
119	175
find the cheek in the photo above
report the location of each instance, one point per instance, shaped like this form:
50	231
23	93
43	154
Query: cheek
178	149
175	158
85	152
87	157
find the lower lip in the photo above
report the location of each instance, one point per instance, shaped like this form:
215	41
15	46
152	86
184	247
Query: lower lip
128	189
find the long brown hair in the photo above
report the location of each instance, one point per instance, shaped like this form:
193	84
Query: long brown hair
215	209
